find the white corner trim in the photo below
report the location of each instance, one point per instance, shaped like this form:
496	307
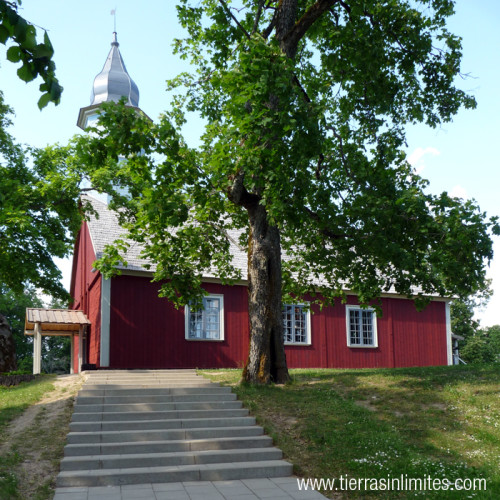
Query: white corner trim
105	320
449	343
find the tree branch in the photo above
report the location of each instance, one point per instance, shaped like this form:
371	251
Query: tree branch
238	194
228	11
291	40
269	29
257	17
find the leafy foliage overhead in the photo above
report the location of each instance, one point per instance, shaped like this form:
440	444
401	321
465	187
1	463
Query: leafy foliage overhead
35	58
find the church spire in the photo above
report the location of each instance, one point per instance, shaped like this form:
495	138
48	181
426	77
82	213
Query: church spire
114	82
111	84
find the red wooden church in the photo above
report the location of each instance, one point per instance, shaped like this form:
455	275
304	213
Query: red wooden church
131	327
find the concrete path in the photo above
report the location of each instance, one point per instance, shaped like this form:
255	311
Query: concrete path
168	434
280	488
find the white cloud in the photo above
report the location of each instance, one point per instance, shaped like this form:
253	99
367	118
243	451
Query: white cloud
416	158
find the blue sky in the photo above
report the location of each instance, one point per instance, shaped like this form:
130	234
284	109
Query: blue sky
460	157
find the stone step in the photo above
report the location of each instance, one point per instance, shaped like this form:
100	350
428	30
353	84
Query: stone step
138	384
174	423
151	382
186	405
142	370
163	391
200	472
93	400
123	448
162	435
128	380
134	407
170	376
169	459
136	373
221	411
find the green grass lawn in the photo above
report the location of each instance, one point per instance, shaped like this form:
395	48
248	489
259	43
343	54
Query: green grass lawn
13	401
442	422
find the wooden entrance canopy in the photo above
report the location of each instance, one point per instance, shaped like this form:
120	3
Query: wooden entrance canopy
64	322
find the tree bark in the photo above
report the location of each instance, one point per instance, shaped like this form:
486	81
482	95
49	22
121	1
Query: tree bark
266	361
7	347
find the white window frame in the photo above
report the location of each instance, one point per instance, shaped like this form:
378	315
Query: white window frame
374	326
308	325
187	314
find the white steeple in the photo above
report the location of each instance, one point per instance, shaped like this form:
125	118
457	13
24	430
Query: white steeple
111	84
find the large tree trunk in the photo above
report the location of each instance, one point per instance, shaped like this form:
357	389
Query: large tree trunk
266	361
7	347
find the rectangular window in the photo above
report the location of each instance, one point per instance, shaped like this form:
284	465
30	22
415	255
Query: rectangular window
361	327
206	323
296	324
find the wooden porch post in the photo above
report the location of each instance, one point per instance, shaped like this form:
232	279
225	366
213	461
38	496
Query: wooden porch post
37	350
80	348
72	355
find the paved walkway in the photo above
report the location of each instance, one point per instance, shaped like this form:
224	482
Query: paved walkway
278	488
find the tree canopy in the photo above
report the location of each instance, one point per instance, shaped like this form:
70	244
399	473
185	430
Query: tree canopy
39	215
306	105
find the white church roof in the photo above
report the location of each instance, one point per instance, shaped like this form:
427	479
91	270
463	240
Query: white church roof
105	230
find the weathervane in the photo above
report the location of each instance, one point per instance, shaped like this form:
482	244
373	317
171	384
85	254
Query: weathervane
113	13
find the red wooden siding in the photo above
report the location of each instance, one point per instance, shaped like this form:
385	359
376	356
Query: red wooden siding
82	275
148	332
419	337
94	315
86	293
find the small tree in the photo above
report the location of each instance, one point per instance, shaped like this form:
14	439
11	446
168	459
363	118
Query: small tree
305	104
493	335
13	307
462	318
477	350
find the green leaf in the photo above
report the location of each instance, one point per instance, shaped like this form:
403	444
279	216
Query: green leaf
48	43
26	73
30	41
4	34
21	30
14	54
41	50
44	100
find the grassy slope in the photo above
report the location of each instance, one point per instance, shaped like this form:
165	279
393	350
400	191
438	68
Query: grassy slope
13	401
442	422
